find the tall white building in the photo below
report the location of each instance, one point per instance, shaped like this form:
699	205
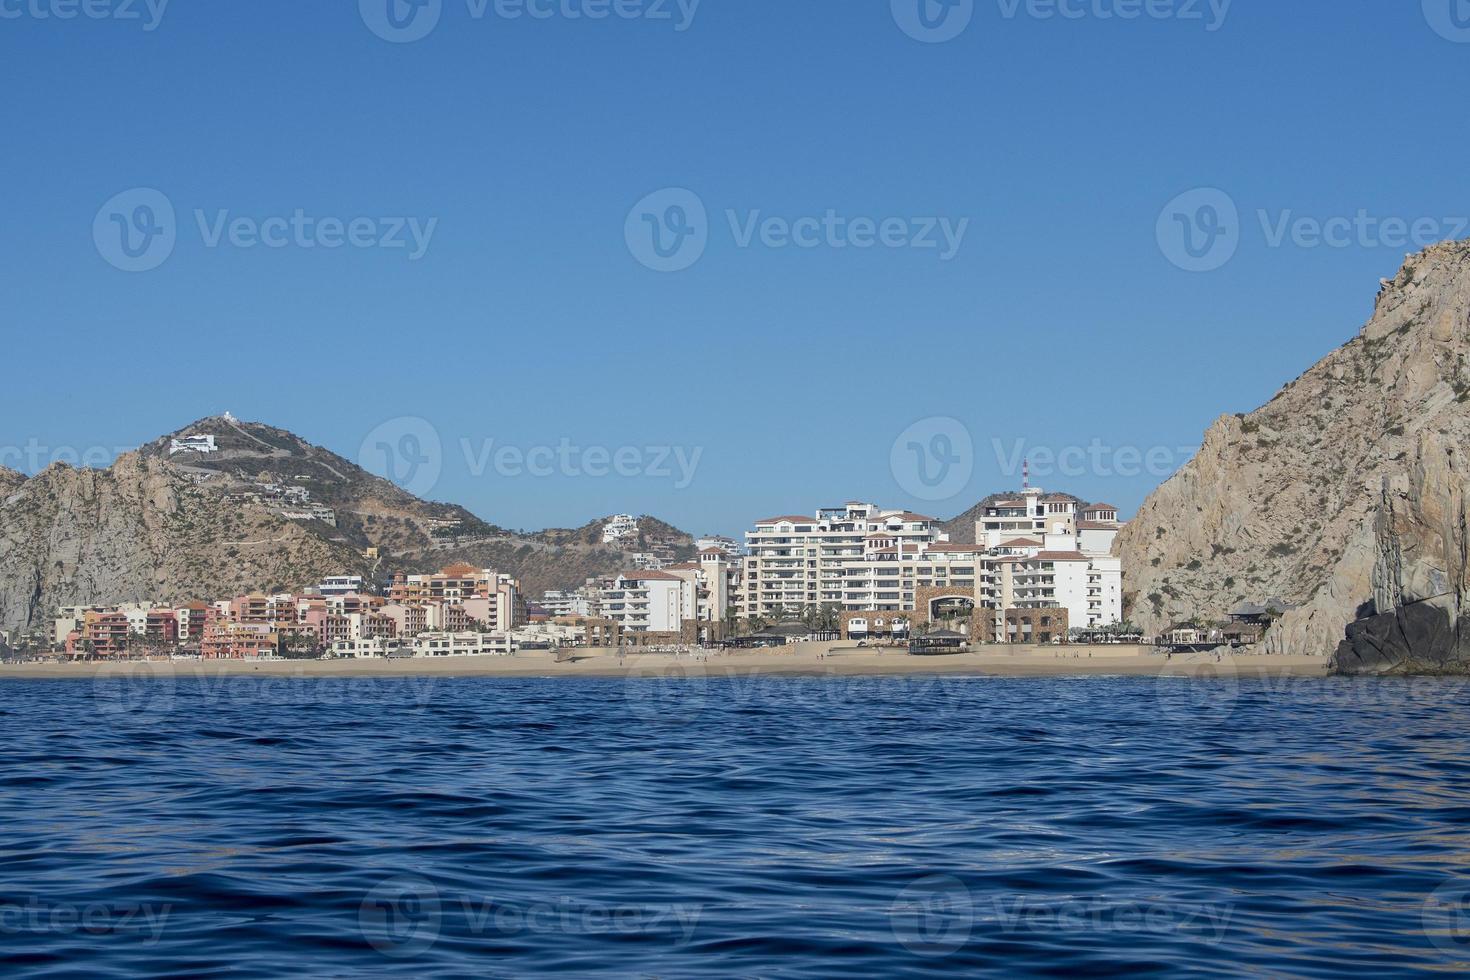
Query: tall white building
1032	551
840	557
647	601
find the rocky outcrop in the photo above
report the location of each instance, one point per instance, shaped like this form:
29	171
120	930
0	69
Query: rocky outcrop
181	526
1421	621
138	530
1282	501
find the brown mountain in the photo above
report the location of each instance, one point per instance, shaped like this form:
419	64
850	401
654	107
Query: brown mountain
265	510
1284	501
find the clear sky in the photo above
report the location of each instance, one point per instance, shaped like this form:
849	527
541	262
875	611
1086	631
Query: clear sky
1064	310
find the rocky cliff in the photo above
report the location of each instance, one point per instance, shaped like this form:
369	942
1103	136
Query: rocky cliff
176	526
1421	597
143	529
1283	501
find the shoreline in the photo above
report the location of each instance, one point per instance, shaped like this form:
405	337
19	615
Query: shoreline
798	660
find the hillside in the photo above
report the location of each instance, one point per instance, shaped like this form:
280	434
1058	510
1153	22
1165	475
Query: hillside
263	510
1282	501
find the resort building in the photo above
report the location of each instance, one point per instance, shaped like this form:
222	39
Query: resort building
1032	552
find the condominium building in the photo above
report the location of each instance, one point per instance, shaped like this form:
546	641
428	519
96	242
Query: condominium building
843	556
458	583
647	602
566	603
1032	551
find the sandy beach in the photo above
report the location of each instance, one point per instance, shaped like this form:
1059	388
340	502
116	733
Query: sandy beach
798	660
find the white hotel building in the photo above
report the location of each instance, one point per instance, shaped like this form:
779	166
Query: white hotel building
1033	551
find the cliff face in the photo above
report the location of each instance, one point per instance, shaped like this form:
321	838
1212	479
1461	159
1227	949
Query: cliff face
1420	589
1282	501
180	526
139	530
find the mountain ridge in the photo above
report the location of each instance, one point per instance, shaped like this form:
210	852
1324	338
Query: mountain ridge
265	510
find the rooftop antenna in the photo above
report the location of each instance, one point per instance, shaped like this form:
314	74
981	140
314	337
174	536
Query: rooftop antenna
1025	474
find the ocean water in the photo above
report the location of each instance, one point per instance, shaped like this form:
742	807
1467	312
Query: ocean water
750	827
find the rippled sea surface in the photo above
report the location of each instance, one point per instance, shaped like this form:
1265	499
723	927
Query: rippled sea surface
743	827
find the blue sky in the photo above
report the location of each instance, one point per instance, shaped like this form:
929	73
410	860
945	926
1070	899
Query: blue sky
784	375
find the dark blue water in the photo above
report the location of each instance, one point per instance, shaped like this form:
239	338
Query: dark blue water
786	828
